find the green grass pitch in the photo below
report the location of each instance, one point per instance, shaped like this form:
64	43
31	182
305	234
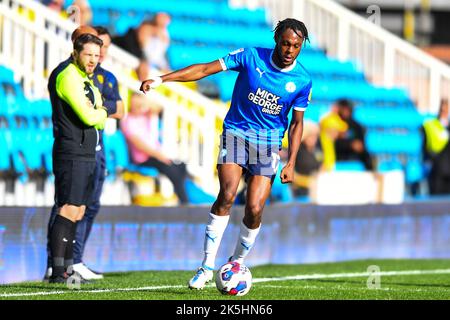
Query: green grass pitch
399	279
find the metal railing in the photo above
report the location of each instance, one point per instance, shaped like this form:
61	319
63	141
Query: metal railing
34	39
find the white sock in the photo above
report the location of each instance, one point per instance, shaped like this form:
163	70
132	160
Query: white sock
213	235
245	242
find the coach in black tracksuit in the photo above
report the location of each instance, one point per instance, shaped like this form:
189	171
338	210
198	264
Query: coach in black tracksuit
107	84
78	114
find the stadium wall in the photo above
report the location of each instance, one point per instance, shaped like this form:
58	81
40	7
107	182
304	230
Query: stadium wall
171	238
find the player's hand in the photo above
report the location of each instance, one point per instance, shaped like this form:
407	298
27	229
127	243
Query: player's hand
357	146
287	174
145	86
150	83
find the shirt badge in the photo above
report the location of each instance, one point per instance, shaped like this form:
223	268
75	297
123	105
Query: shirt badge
290	87
100	78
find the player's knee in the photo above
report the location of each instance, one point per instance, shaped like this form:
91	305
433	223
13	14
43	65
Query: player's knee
254	209
226	198
69	212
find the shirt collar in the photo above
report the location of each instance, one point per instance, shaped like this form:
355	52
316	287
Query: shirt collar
287	69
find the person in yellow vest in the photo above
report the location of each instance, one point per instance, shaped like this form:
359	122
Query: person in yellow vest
437	150
331	127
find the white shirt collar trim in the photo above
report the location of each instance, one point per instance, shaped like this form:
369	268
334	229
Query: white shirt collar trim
287	69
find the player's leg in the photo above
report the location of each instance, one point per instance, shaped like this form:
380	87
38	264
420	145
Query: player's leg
73	181
229	178
61	235
51	221
257	193
263	165
61	228
84	226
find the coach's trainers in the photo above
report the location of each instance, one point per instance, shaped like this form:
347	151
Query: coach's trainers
48	274
85	272
201	278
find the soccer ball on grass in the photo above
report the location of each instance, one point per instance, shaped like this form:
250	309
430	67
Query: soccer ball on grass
234	279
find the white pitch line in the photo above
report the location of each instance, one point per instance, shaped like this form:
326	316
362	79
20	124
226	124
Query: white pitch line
340	287
353	275
256	280
47	293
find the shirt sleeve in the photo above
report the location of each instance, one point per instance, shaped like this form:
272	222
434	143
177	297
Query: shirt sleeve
304	98
70	88
235	60
111	94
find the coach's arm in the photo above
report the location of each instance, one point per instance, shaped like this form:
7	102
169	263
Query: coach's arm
70	88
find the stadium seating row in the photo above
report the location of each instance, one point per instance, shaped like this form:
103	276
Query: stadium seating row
212	11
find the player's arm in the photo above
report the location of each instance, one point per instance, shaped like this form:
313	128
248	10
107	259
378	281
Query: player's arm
71	89
192	73
112	100
294	137
119	111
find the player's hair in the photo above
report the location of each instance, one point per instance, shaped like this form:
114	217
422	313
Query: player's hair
102	31
86	38
81	30
294	25
345	103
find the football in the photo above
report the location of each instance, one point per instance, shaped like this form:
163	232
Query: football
234	279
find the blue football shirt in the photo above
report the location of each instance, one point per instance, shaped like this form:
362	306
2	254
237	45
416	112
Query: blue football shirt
264	94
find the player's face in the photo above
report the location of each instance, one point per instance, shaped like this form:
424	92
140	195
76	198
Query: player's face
104	49
345	113
288	47
88	58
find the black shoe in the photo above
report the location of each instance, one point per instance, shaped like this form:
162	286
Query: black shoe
57	279
72	278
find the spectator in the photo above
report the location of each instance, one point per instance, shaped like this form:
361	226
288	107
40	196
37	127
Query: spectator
156	48
308	160
350	144
331	126
83	13
145	147
135	41
56	5
437	151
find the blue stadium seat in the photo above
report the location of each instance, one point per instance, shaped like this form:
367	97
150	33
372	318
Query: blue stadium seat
47	148
31	147
414	171
389	165
231	36
196	195
6	74
388	117
13	138
217	11
316	111
349	166
5	152
410	143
